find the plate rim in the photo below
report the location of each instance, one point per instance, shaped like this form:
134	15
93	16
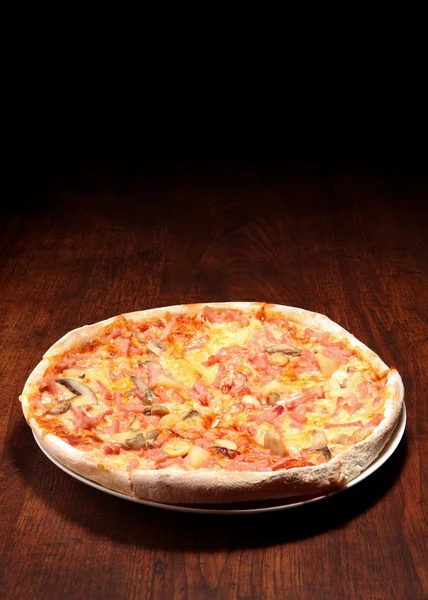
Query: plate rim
386	452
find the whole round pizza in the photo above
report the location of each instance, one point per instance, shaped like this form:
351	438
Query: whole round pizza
214	403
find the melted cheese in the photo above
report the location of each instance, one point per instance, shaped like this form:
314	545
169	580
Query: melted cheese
232	410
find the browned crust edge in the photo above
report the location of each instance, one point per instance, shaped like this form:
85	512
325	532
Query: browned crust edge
82	464
174	486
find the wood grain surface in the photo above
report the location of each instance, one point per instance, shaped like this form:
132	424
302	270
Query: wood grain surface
84	240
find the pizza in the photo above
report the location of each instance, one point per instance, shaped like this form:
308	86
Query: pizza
214	403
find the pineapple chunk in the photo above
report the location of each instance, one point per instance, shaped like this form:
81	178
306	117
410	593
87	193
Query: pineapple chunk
327	366
169	420
177	447
196	456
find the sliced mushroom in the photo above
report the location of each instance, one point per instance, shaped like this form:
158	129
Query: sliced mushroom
159	410
222	443
273	442
226	452
285	348
326	452
319	440
137	442
273	398
84	394
191	414
151	436
143	389
150	363
60	408
155	346
278	358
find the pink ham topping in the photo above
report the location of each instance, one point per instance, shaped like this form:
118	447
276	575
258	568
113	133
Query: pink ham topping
350	404
337	351
48	384
197	343
269	415
84	421
168	329
225	316
201	393
307	394
306	362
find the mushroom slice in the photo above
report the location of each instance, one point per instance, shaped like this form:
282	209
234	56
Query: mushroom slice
221	443
191	414
319	440
159	410
226	452
285	348
155	346
143	389
326	452
60	408
273	398
150	363
273	442
152	435
137	442
84	394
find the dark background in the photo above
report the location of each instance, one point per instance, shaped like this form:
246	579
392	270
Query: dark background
116	201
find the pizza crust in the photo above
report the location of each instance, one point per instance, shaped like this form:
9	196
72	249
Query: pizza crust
357	458
197	487
82	464
217	487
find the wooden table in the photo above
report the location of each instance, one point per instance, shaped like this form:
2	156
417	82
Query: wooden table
82	240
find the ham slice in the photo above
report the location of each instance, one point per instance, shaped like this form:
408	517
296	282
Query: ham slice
124	346
168	329
269	415
306	395
82	420
200	393
230	354
306	363
319	336
225	316
48	383
67	363
211	315
337	351
103	391
374	422
197	343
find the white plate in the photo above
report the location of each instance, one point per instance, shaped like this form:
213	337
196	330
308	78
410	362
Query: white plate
257	506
